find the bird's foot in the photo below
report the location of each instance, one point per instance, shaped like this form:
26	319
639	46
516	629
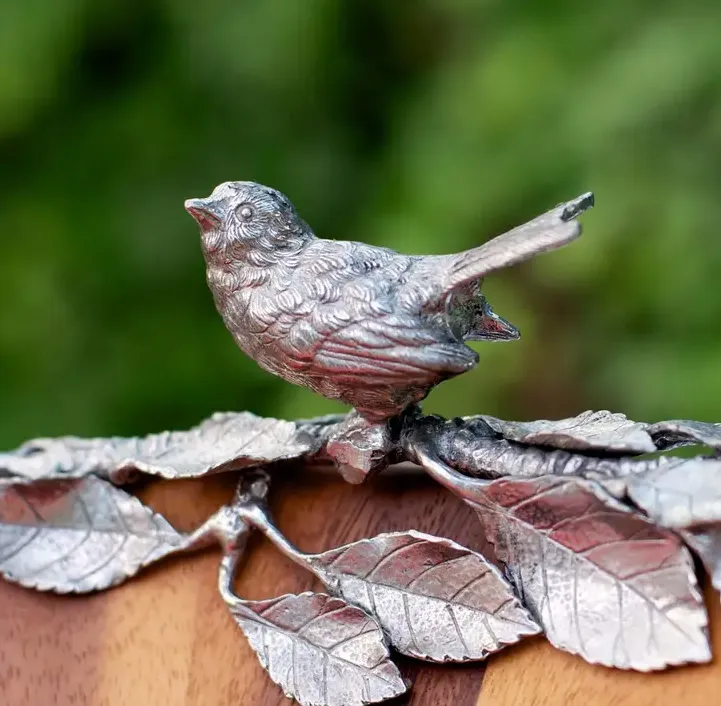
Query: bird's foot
360	448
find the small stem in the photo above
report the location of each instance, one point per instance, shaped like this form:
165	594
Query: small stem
228	569
227	529
456	482
257	515
204	536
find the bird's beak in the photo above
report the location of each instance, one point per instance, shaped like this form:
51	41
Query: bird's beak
493	327
205	213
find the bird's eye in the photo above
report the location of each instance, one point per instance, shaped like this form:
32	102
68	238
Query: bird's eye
244	212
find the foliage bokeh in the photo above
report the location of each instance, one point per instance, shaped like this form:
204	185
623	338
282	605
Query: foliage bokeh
426	126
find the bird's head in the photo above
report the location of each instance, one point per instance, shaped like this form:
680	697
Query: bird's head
242	216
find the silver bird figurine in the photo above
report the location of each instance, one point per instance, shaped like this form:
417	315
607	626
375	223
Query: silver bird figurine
355	322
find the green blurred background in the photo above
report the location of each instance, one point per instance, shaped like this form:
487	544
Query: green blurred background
427	126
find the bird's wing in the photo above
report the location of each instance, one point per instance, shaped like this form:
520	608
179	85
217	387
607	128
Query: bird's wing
547	232
356	330
389	350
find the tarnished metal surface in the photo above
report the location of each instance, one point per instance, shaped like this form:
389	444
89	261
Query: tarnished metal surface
682	432
362	324
679	492
434	599
473	447
85	534
378	330
320	650
481	446
224	442
603	581
590	431
706	542
79	535
359	450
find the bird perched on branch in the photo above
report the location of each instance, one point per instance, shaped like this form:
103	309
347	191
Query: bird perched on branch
362	324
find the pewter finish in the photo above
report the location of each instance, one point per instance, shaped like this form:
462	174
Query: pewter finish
478	446
588	432
224	442
358	450
628	588
320	650
680	492
76	536
706	542
617	576
682	432
85	534
231	441
354	322
434	599
378	330
604	582
474	448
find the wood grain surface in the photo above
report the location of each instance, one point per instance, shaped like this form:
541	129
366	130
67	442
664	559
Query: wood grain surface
166	637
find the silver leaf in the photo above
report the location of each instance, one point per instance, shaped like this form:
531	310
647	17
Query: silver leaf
604	582
320	650
435	599
224	442
706	542
590	431
81	535
679	432
679	492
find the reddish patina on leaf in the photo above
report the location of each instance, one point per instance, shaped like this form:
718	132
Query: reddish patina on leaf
602	581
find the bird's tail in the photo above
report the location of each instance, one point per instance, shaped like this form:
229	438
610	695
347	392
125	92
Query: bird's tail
547	232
